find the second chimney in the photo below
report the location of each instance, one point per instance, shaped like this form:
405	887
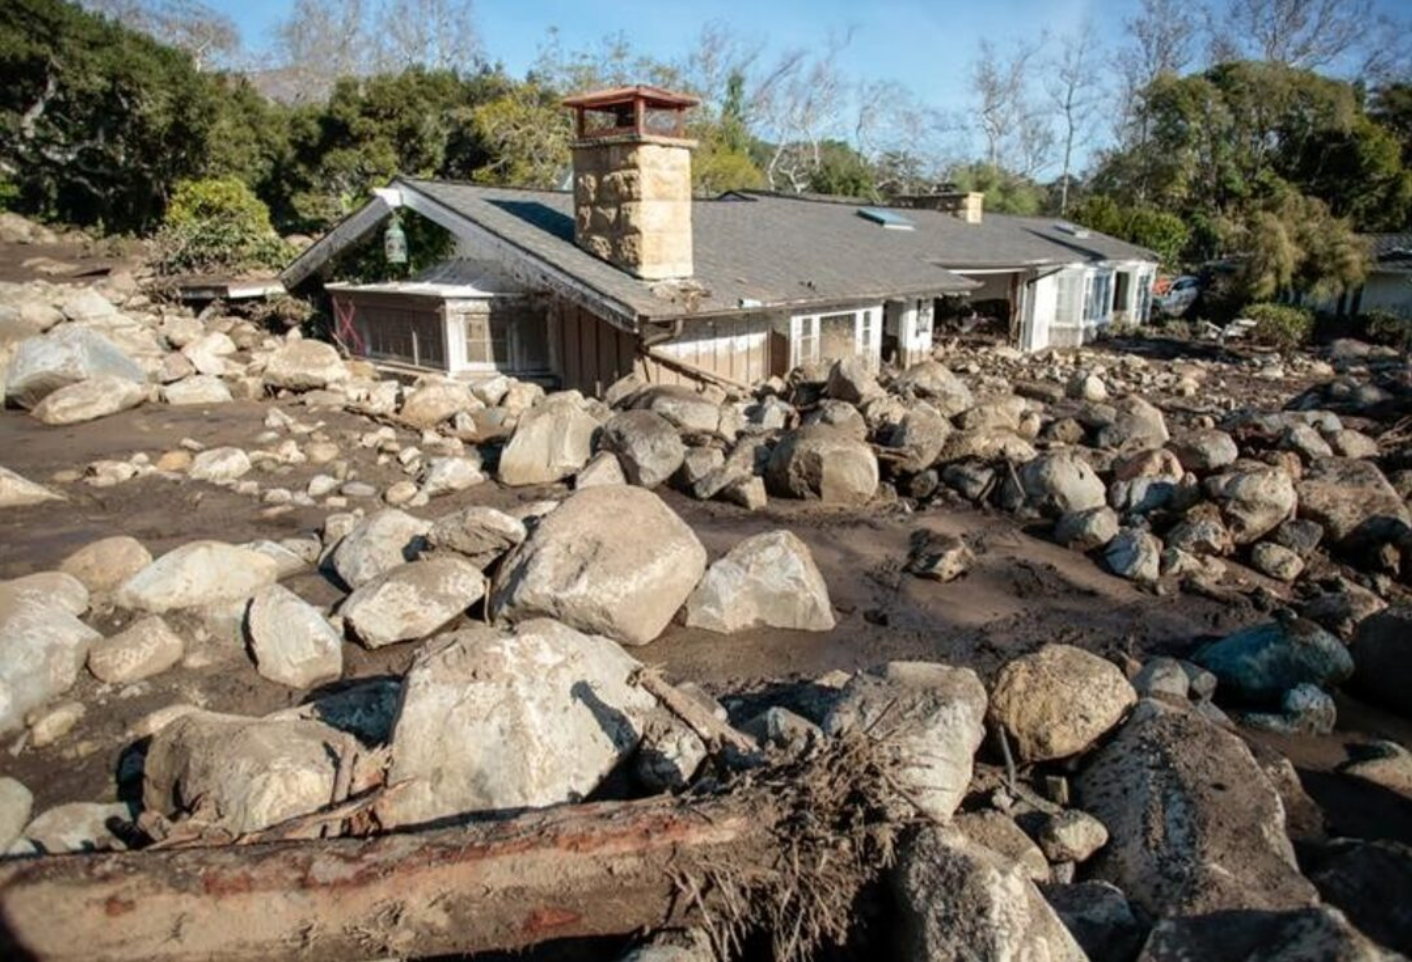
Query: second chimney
966	205
632	180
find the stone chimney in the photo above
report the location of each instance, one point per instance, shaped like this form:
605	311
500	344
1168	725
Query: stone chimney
632	179
966	205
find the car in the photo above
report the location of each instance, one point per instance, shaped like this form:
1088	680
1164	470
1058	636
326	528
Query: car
1178	295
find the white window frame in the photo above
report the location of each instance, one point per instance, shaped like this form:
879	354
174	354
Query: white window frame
805	340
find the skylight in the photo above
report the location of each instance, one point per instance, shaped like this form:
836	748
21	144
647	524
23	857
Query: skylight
889	219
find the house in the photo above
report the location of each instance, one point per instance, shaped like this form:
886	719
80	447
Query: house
1388	286
630	273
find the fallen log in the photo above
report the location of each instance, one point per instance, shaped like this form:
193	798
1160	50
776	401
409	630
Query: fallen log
790	845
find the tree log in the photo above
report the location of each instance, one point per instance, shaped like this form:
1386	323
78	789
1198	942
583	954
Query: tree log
582	870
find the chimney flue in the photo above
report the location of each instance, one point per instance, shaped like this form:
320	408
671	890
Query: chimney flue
966	205
632	179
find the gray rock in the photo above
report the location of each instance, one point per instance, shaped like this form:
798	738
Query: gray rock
16	803
841	416
935	382
1163	676
482	534
612	561
1304	710
197	573
552	442
412	600
668	756
1342	493
1002	413
768	580
1353	444
1276	561
305	365
1134	554
1257	665
437	401
1087	529
292	643
647	446
1299	535
819	462
1308	935
690	945
1201	533
87	400
1071	836
938	557
1060	483
492	721
1099	918
18	492
782	729
220	465
451	474
1057	701
851	380
378	544
1223	844
197	389
104	564
1136	425
919	437
1306	442
148	647
1253	502
747	460
44	646
688	409
929	717
1372	882
79	827
1206	450
998	832
697	464
1382	654
603	469
68	355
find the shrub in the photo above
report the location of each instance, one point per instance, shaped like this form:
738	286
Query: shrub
217	226
1385	327
1280	325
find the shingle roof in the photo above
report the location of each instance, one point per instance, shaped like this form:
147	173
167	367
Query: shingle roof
1391	248
771	250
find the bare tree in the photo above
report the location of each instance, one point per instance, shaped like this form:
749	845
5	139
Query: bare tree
1076	89
436	34
210	37
1017	133
1311	34
322	40
1161	39
801	106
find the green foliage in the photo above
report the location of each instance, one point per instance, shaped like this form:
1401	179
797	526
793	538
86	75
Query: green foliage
1293	244
1385	327
1005	192
842	172
428	244
1280	325
1165	234
217	226
526	134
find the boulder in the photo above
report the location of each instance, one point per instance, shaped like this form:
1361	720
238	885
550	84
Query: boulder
1136	425
68	355
1087	529
1002	413
78	827
208	352
935	382
480	533
89	399
16	804
292	642
1253	502
243	774
198	389
646	444
822	463
851	379
1257	665
766	581
1221	840
1058	701
1100	919
1276	561
1134	554
841	416
450	474
1056	484
412	600
197	573
18	492
42	648
1342	493
998	832
687	409
614	561
919	438
305	365
1372	882
220	465
939	557
145	648
1071	836
929	718
491	720
552	442
958	900
379	543
1201	533
1308	935
1206	450
1382	656
103	565
436	401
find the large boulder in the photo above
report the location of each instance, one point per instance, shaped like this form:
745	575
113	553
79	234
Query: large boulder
305	366
1257	665
1372	882
42	365
197	573
929	718
1382	656
1056	484
378	544
1254	502
1136	425
689	410
647	445
145	648
292	642
42	649
1058	701
1100	918
770	581
481	534
1194	823
243	774
412	600
491	720
1342	493
551	443
822	463
435	401
1307	935
959	900
935	382
614	561
919	437
851	379
89	399
18	492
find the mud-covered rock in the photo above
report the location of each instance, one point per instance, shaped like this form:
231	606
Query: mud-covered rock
768	580
1058	701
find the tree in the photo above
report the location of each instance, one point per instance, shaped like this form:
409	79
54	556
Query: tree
1291	244
1075	88
527	135
1017	133
1391	107
1005	192
217	225
322	41
1161	40
1309	34
434	34
209	36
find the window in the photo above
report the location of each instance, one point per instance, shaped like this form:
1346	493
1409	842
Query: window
406	336
511	337
1098	296
1069	297
830	337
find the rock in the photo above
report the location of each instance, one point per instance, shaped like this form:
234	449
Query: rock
1086	386
68	355
378	544
939	557
1299	535
199	389
220	465
1058	701
1276	561
42	648
208	352
552	442
958	900
17	492
746	461
54	723
841	416
1154	463
919	437
1056	484
611	561
16	803
768	580
1382	654
1253	502
1136	425
1244	936
987	446
697	464
1222	843
689	945
147	647
819	462
451	474
89	399
243	774
1372	882
998	833
436	401
1088	529
852	380
647	445
1201	533
1342	493
1002	413
603	469
933	381
1099	918
305	365
1304	710
1206	450
197	573
491	721
782	729
412	600
1071	836
79	827
1307	442
1163	676
292	643
1343	608
930	718
1384	763
1353	444
482	534
103	565
1134	554
1257	665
